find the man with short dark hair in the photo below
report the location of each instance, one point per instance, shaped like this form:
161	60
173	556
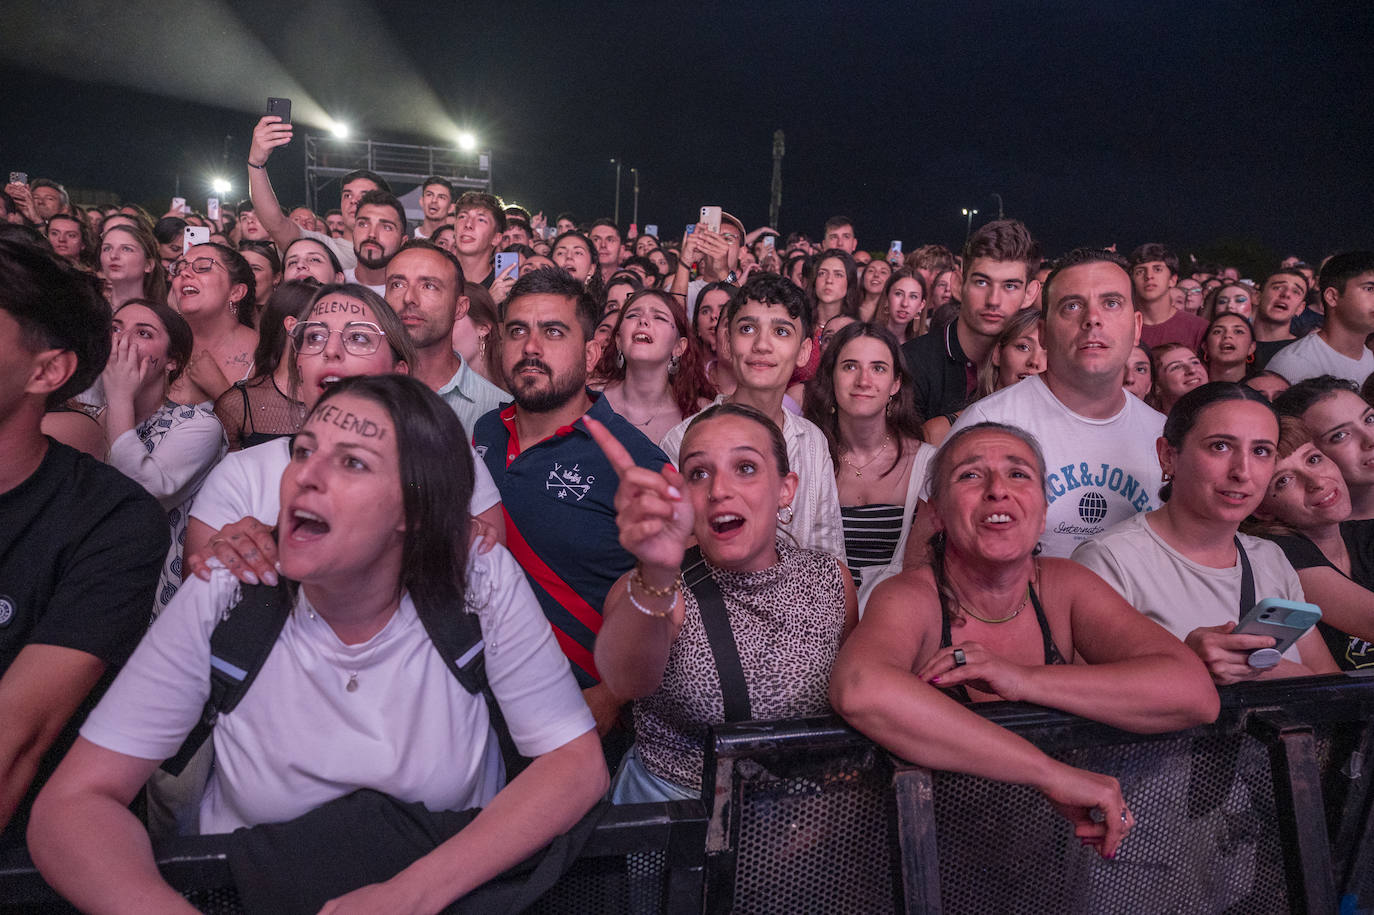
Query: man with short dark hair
478	223
1338	346
379	230
557	487
1281	298
605	236
1098	441
517	232
1000	262
1154	271
436	194
768	338
335	222
424	286
839	233
81	547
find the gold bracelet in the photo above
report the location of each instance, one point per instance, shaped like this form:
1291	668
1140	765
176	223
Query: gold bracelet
638	578
629	592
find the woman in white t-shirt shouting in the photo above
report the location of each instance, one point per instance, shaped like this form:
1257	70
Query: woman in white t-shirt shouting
1184	565
353	694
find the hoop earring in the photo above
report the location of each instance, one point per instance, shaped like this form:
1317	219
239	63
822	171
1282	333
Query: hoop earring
672	366
785	515
620	360
1250	359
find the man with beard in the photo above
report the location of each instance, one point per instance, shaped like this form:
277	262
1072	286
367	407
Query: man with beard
436	196
379	229
424	286
557	487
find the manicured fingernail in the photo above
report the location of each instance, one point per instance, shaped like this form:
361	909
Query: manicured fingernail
214	562
673	491
270	578
249	577
934	679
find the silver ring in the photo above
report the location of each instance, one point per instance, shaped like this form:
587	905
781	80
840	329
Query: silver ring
959	659
1124	812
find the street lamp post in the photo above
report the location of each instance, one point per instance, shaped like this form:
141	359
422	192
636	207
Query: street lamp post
616	218
999	205
968	228
635	218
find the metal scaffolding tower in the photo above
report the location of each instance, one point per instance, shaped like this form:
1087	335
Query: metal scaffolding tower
329	158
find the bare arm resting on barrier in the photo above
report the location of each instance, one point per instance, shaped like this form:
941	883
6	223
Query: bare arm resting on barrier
1125	670
93	850
874	687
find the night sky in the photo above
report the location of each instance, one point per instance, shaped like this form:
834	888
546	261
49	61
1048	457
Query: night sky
1096	122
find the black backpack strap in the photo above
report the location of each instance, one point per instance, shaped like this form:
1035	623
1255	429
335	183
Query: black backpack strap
1247	581
715	619
457	636
239	646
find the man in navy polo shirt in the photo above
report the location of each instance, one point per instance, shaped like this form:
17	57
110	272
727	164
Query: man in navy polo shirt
557	487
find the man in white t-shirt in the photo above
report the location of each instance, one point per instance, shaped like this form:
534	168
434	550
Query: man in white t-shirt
1099	442
1338	346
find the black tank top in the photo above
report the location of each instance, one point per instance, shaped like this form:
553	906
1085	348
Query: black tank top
1052	655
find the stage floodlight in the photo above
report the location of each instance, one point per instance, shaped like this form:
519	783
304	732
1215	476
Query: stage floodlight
339	129
220	186
467	141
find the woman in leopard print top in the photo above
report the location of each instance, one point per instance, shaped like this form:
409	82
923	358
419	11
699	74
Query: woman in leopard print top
788	608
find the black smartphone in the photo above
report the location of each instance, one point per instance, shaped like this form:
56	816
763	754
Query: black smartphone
281	107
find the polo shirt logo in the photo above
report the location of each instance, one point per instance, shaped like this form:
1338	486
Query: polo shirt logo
6	609
564	480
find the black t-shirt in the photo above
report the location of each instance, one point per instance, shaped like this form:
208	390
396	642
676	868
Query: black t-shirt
81	548
941	373
1350	652
1266	350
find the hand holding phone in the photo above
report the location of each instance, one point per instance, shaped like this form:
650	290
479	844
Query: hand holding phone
212	209
1283	620
281	107
19	178
509	259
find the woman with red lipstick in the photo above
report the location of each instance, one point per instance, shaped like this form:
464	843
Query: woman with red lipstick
354	706
653	375
1304	511
1184	565
744	627
987	619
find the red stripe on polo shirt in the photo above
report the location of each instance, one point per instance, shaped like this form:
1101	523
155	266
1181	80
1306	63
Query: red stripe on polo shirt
560	591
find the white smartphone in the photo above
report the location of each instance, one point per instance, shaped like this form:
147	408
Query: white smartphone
178	204
651	230
195	235
212	208
711	217
896	246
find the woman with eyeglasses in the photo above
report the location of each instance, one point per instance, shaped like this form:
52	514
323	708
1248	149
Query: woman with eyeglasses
214	289
348	330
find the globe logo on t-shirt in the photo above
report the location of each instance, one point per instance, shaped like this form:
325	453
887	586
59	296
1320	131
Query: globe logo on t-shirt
1092	508
6	609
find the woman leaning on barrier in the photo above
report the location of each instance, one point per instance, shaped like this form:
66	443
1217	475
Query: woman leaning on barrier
355	719
988	619
746	628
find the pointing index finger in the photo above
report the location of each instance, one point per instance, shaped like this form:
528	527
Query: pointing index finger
615	452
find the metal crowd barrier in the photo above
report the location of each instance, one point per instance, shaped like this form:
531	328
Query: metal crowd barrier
1269	810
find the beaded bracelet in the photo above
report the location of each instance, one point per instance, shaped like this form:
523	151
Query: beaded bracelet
638	578
629	592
